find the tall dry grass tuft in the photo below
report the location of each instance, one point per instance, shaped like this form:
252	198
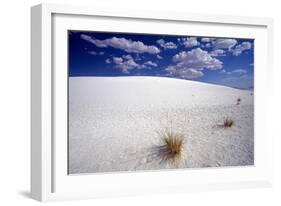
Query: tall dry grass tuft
173	144
228	123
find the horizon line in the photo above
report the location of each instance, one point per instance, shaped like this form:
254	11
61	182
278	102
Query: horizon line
242	88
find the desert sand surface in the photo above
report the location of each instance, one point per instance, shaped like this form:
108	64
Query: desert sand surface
115	124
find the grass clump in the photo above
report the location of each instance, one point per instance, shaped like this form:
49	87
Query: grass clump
173	144
228	123
238	101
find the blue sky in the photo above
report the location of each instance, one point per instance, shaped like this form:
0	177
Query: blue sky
224	61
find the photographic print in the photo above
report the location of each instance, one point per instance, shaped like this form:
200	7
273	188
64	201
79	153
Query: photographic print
139	102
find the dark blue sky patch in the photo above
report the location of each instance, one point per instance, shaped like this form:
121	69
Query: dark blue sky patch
224	61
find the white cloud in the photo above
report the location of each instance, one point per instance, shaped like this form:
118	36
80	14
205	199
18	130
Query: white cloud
159	57
238	78
150	63
127	63
117	60
123	44
217	52
108	61
166	45
236	72
93	53
197	59
189	42
224	43
189	65
239	72
241	47
128	56
208	45
183	72
207	39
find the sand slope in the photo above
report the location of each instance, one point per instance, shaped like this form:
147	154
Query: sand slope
114	123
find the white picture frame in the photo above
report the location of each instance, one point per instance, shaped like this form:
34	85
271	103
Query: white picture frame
49	178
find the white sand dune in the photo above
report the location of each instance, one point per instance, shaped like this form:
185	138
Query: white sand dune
114	123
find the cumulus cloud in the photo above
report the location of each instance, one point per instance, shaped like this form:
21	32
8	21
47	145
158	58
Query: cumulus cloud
128	56
159	57
117	60
224	43
197	59
183	72
217	52
190	64
208	45
241	47
150	63
207	39
127	63
189	42
166	45
108	61
123	44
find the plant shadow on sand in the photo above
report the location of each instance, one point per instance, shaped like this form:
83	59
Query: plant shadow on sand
163	156
227	123
167	153
156	155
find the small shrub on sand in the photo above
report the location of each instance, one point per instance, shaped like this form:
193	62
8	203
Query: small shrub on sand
228	123
173	143
238	101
